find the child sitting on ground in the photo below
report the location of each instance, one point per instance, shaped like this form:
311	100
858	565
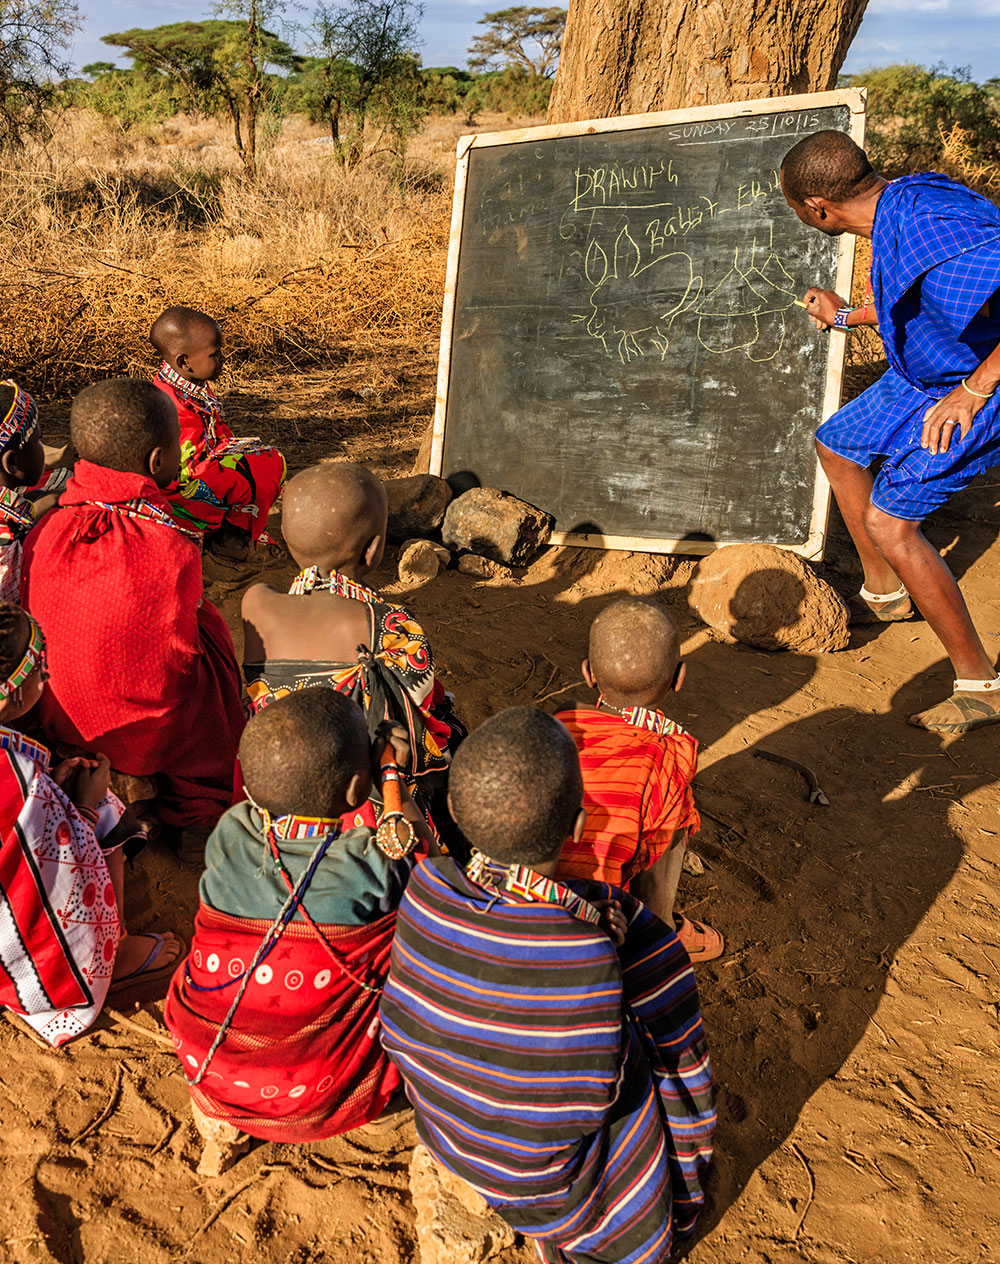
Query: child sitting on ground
554	1061
62	939
283	1044
637	766
22	461
227	485
330	629
142	666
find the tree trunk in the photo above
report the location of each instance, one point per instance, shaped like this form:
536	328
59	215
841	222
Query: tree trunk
634	56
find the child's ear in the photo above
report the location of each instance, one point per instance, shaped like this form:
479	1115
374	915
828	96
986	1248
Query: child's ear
679	675
358	789
373	551
579	821
588	674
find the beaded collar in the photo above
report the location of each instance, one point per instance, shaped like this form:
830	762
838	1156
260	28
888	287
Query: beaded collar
645	718
310	580
200	394
21	418
18	744
34	659
15	511
145	511
524	881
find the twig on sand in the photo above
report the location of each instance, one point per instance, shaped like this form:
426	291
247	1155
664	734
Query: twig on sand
555	692
25	1030
228	1200
105	1113
152	1033
812	1191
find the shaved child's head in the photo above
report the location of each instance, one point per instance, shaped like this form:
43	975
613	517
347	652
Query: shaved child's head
190	342
174	329
334	515
828	165
120	422
634	653
300	754
515	787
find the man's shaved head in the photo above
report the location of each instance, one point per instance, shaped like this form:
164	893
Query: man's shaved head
515	786
828	165
331	513
173	329
118	422
634	652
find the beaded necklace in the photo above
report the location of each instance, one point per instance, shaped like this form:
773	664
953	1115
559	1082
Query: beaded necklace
144	511
310	580
18	744
15	510
524	881
202	395
645	718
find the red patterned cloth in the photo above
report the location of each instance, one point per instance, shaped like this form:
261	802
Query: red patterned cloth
222	478
636	790
142	667
302	1058
59	920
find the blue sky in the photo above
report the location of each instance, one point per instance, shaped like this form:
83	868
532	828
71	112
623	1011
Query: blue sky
957	32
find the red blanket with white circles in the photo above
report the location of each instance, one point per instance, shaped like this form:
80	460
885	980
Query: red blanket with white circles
301	1060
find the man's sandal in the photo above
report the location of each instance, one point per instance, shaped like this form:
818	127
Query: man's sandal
961	714
869	607
701	942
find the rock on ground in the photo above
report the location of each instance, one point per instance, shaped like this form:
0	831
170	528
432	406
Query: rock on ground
416	505
496	525
420	561
474	564
764	596
454	1224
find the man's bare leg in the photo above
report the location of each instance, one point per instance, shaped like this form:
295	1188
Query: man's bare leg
852	487
928	577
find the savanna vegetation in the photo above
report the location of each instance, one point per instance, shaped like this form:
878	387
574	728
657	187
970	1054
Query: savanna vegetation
293	180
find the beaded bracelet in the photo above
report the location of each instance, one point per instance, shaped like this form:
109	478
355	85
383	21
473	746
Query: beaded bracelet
840	320
977	394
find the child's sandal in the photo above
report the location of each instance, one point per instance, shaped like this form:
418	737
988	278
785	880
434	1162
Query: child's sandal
869	607
701	941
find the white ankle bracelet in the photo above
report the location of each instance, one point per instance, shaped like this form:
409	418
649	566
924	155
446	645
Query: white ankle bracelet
900	592
977	686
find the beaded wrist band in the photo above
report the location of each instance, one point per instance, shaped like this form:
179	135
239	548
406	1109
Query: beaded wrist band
387	834
840	320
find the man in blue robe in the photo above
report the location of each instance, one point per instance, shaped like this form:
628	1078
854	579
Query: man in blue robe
934	415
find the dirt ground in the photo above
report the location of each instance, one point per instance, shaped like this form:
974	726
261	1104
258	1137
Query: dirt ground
853	1020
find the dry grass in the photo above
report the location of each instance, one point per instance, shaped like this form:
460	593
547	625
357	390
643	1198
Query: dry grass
99	232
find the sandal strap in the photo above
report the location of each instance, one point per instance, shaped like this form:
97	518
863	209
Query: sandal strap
978	686
898	595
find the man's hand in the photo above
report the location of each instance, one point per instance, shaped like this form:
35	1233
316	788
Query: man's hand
613	920
93	780
822	306
956	411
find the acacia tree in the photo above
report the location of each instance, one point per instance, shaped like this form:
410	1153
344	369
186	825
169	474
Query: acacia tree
521	37
364	47
633	56
35	37
219	66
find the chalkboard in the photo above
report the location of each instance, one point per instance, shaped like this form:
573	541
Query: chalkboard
620	344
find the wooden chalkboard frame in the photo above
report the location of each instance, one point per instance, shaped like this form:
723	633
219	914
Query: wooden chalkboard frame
853	98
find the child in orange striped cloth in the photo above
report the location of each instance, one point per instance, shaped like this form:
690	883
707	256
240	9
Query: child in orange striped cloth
637	767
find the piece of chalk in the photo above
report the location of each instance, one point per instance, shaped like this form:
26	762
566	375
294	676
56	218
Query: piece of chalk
798	302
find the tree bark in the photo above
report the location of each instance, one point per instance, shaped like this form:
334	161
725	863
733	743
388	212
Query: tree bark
635	56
